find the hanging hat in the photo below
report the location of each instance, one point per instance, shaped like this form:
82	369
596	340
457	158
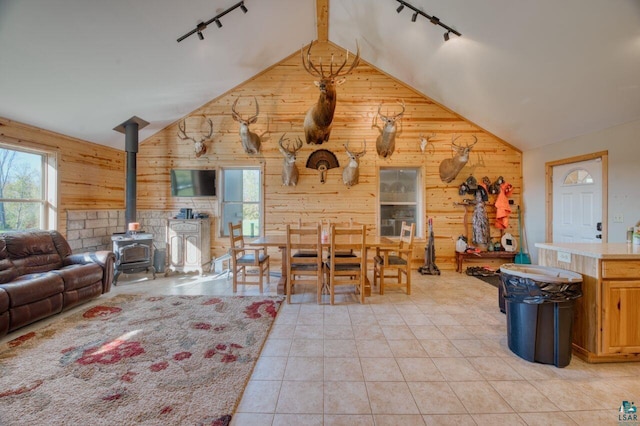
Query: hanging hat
472	183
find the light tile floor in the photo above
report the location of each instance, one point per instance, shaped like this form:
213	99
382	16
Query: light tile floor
437	357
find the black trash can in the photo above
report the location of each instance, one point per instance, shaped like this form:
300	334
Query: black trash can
539	303
159	259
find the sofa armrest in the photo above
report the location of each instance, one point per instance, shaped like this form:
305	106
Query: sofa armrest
102	258
106	259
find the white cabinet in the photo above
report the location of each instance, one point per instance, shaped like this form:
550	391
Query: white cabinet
189	242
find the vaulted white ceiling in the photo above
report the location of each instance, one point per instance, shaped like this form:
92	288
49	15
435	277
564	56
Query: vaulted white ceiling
531	72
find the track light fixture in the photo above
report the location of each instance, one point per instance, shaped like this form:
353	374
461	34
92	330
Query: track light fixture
202	25
433	19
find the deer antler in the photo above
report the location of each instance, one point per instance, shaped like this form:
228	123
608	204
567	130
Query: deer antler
310	67
199	145
467	146
236	115
255	116
396	116
287	150
401	113
356	154
453	141
182	134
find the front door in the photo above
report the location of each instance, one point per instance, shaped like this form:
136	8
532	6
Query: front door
577	202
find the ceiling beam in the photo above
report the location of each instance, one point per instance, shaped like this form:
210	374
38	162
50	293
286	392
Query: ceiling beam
322	17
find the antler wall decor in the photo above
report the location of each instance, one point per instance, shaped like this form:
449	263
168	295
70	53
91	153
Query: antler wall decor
317	122
386	142
198	145
250	141
351	172
450	167
289	168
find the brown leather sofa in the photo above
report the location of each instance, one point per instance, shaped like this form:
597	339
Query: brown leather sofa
40	277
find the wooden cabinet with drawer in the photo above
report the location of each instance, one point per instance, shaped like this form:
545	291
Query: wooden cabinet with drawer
606	326
189	243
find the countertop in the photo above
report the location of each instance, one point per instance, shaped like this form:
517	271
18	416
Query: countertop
598	251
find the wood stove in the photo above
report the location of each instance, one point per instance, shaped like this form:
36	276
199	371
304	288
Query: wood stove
134	253
133	249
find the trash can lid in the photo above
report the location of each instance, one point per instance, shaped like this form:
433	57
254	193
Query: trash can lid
541	273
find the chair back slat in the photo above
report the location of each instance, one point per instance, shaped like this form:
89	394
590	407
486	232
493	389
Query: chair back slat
246	256
304	258
347	270
235	234
406	235
392	264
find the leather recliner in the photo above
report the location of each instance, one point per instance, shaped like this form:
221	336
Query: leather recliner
40	277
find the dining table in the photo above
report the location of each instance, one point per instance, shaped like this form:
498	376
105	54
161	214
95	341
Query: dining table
280	241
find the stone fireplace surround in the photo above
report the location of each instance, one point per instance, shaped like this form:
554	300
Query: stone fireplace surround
89	230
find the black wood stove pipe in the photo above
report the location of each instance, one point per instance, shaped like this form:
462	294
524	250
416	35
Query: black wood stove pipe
130	129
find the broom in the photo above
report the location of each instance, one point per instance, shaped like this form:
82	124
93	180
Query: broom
521	258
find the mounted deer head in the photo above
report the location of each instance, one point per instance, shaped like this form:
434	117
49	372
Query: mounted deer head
386	142
450	167
317	122
351	173
198	145
289	169
250	141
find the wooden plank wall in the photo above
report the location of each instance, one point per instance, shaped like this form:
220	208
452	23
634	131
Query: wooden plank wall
284	93
90	176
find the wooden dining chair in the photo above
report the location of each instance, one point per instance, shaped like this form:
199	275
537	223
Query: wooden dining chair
350	224
304	262
396	260
243	257
347	270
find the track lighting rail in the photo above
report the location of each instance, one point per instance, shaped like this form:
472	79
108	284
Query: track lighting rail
433	19
202	25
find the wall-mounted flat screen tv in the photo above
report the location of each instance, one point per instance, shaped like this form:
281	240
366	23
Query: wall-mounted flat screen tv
193	183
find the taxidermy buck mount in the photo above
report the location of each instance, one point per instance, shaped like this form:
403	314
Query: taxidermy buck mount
351	173
289	168
317	122
198	145
250	141
386	142
450	167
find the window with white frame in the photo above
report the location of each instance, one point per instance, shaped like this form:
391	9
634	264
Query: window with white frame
28	190
400	199
242	200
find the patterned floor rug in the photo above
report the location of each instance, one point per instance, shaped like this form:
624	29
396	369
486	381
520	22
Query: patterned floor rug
136	359
494	280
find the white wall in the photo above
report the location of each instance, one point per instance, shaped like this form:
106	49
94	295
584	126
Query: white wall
623	144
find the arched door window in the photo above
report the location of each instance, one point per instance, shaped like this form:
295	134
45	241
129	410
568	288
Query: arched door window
578	177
